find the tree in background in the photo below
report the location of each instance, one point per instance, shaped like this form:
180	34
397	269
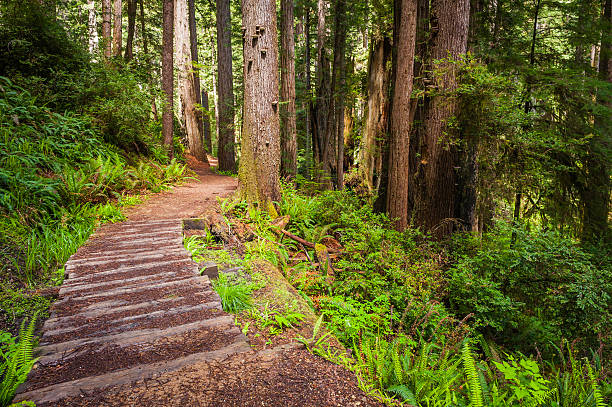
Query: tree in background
287	92
129	44
225	88
168	75
92	26
260	161
106	28
117	26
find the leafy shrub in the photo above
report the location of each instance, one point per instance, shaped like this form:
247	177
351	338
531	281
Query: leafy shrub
537	290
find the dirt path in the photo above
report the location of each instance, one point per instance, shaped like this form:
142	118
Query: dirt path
135	325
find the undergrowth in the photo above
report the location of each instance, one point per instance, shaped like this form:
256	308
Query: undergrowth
467	322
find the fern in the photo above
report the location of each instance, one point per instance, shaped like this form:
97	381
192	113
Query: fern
599	400
473	381
405	393
17	362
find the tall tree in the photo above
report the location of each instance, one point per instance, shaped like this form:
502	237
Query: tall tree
129	43
92	26
206	122
186	82
193	39
397	190
117	24
168	74
596	191
260	160
225	89
106	28
321	108
308	80
449	41
287	94
338	89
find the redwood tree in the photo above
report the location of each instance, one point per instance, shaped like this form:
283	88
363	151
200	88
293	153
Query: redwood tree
168	74
225	88
287	107
129	44
397	187
260	160
117	36
106	27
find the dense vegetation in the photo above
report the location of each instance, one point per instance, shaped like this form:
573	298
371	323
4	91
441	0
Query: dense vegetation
447	160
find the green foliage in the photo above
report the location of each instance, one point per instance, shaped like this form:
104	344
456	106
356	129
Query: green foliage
16	360
536	290
276	320
235	294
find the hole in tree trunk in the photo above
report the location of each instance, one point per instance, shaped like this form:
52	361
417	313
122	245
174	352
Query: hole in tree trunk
249	66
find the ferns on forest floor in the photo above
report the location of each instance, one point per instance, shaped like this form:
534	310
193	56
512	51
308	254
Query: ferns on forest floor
16	360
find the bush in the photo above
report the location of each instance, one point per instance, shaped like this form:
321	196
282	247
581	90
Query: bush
539	289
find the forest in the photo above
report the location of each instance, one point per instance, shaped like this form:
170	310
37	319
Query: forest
433	177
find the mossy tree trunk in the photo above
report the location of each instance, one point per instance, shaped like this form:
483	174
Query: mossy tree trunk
260	160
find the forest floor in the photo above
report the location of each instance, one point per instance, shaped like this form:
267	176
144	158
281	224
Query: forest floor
136	325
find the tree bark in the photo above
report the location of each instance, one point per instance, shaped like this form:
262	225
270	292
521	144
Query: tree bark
92	26
287	107
260	160
225	89
376	128
117	36
308	80
106	28
338	87
449	40
186	81
397	190
320	112
193	39
168	75
206	122
129	44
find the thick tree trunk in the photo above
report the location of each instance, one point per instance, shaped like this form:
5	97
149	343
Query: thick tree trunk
225	89
287	94
193	39
117	23
308	87
338	87
377	112
186	83
106	28
397	190
260	161
129	44
449	39
206	122
215	96
320	113
596	191
168	74
92	26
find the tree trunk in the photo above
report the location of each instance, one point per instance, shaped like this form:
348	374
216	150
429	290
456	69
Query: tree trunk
206	122
260	161
92	26
307	74
377	112
287	93
186	81
168	74
320	113
117	38
225	89
397	190
338	85
596	191
449	39
106	28
215	96
129	44
193	39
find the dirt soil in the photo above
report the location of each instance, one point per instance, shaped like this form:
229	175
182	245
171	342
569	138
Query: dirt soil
286	375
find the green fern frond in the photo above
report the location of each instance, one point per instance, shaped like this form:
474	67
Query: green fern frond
397	365
469	366
405	393
597	396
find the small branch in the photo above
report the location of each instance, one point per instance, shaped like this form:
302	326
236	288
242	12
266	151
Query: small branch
302	241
